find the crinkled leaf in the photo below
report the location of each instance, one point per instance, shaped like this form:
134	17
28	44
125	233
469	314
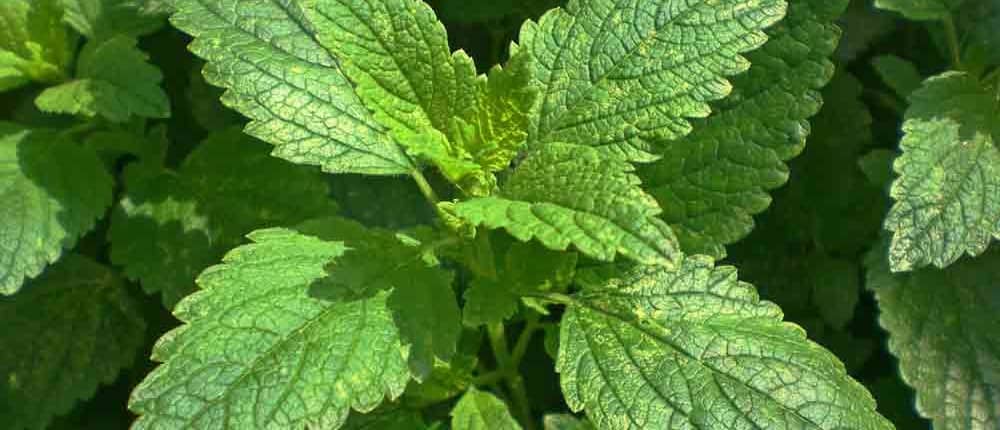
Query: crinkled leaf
696	348
99	19
266	55
446	381
565	194
113	80
421	301
255	351
480	410
943	327
53	191
69	331
34	45
711	183
488	302
169	226
491	11
626	76
388	417
901	75
920	9
947	196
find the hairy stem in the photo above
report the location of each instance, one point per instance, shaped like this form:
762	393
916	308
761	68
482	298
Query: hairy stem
425	187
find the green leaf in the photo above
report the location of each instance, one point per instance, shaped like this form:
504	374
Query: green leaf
388	417
492	11
113	80
255	351
565	422
942	326
421	300
697	348
34	45
835	289
947	196
169	226
625	77
920	9
901	75
711	183
205	105
565	194
53	191
276	73
480	410
99	19
68	332
488	302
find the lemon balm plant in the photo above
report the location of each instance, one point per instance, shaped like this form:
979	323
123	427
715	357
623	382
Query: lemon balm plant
566	206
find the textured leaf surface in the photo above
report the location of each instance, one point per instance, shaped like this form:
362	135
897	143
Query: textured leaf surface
577	195
275	72
947	196
98	19
942	326
52	192
696	348
421	299
920	9
565	422
488	302
480	410
113	80
69	331
257	352
169	226
712	182
389	417
34	45
625	76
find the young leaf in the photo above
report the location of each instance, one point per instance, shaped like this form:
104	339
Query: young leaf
565	422
52	191
421	300
901	75
69	331
626	76
565	194
947	196
920	9
488	302
276	73
697	348
389	417
34	45
480	410
100	19
943	327
113	80
169	226
711	183
257	352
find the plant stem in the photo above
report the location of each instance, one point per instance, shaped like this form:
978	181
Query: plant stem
425	187
521	346
512	377
954	48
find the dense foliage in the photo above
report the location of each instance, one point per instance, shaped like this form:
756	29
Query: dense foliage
507	214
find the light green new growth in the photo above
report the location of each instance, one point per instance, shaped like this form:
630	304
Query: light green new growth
53	191
171	225
920	9
113	80
71	330
480	410
696	348
947	196
943	326
626	76
257	352
34	45
712	182
276	73
565	194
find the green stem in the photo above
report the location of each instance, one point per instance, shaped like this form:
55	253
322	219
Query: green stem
521	346
425	187
512	377
954	48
